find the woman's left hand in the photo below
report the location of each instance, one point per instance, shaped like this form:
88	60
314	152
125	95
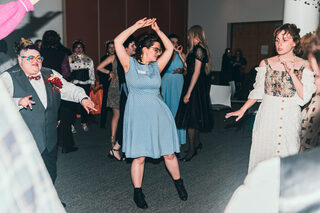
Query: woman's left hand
154	25
289	67
186	98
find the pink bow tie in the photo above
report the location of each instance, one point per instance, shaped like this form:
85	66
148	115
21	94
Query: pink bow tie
37	77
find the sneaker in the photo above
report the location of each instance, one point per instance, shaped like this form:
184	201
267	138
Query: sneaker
85	127
73	130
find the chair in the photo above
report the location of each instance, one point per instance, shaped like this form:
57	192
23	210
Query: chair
220	104
220	97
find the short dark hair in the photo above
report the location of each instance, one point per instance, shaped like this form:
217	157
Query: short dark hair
172	35
129	41
76	43
146	40
294	31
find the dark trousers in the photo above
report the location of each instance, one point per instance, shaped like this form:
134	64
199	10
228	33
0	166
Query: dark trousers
83	112
50	161
103	116
123	101
66	115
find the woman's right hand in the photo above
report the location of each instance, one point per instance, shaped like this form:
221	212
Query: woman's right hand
239	114
143	23
111	76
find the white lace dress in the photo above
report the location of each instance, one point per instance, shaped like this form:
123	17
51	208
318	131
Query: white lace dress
278	121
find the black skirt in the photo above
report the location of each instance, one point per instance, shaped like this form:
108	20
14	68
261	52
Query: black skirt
196	113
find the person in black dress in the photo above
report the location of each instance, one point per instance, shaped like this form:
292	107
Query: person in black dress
104	79
57	60
193	112
239	64
226	67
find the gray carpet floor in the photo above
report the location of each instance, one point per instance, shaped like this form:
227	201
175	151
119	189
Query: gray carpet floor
89	181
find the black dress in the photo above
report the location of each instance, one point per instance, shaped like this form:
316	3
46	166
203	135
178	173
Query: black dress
196	113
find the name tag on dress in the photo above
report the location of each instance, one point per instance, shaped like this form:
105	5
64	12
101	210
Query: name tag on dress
142	72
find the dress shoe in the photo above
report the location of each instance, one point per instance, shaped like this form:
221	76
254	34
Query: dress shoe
199	147
67	150
189	156
183	195
138	198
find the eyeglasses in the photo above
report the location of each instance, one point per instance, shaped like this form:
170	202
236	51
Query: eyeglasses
157	50
32	58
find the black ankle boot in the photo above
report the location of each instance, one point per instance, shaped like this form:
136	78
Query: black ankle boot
138	198
181	190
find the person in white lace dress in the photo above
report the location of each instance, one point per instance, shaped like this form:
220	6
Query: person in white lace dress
283	84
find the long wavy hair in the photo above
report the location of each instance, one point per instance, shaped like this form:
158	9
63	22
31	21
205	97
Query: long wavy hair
196	32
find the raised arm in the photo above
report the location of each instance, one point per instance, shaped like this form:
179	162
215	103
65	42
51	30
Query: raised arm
122	37
182	56
12	14
165	57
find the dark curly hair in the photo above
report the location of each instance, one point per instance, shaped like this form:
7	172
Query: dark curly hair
50	39
294	31
76	43
147	41
25	44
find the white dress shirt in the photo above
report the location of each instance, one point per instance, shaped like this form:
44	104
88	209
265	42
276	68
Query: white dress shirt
83	62
69	91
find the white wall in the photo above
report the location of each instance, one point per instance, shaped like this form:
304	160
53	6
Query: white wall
214	15
47	16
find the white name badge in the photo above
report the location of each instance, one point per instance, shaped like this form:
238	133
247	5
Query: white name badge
142	72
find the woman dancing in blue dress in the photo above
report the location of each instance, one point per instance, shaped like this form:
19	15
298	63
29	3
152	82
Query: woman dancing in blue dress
149	129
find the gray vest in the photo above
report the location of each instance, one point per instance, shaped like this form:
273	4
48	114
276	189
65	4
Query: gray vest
300	183
41	122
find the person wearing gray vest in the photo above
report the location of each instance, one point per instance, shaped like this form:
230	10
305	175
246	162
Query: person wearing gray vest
37	92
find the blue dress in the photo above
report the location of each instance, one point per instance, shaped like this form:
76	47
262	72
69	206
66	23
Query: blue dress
171	88
149	128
